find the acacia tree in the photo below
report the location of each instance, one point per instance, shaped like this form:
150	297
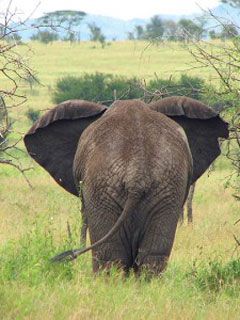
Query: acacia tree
139	30
170	30
96	34
70	20
155	29
233	3
188	29
229	31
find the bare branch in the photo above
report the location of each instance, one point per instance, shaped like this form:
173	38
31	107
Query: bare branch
14	68
18	167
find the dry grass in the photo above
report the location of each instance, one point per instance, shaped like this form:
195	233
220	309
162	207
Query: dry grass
33	223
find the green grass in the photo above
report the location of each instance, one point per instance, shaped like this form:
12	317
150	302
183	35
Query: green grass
202	278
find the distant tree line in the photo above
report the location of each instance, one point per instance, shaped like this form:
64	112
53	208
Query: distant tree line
183	30
65	25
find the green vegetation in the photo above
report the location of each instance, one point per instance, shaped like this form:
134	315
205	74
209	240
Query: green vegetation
96	34
106	88
97	87
234	3
32	114
68	20
157	30
202	279
45	36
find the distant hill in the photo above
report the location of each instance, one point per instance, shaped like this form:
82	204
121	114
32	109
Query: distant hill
117	29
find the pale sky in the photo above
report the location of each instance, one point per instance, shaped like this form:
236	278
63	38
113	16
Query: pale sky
124	9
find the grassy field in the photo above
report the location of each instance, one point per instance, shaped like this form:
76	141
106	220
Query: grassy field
202	280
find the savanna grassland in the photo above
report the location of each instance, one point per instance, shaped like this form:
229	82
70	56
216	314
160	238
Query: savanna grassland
202	280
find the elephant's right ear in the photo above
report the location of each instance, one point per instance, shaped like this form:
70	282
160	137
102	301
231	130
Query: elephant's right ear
52	140
202	125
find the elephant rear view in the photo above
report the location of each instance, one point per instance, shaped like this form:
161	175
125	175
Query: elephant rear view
135	162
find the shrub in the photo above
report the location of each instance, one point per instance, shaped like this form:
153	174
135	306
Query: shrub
106	88
96	87
32	114
186	86
217	274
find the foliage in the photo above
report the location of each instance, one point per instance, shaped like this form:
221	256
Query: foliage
216	274
45	36
33	114
27	260
171	30
12	37
229	31
130	35
64	19
186	85
96	87
106	88
154	29
188	29
139	30
233	3
96	34
213	34
158	29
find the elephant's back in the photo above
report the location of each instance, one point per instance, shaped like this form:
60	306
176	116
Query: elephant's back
134	148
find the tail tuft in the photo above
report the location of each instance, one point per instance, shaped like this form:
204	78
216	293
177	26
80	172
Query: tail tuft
70	255
64	257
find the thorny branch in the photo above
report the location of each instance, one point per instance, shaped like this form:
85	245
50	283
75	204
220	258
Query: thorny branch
223	59
237	242
14	68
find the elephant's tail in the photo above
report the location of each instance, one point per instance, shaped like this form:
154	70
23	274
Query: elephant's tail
129	208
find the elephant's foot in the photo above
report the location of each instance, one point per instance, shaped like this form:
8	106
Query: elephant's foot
112	256
150	265
120	264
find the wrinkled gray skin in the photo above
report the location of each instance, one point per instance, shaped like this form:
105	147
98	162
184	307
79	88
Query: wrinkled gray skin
135	165
115	166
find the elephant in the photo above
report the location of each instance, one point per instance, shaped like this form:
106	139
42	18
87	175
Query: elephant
132	164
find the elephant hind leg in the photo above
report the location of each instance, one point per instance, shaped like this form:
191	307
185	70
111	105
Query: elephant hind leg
112	255
151	265
117	250
83	235
157	242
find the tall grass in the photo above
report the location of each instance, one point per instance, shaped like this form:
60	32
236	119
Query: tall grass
201	281
202	278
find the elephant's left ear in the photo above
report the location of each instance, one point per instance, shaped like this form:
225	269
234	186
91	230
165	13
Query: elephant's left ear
52	140
202	125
